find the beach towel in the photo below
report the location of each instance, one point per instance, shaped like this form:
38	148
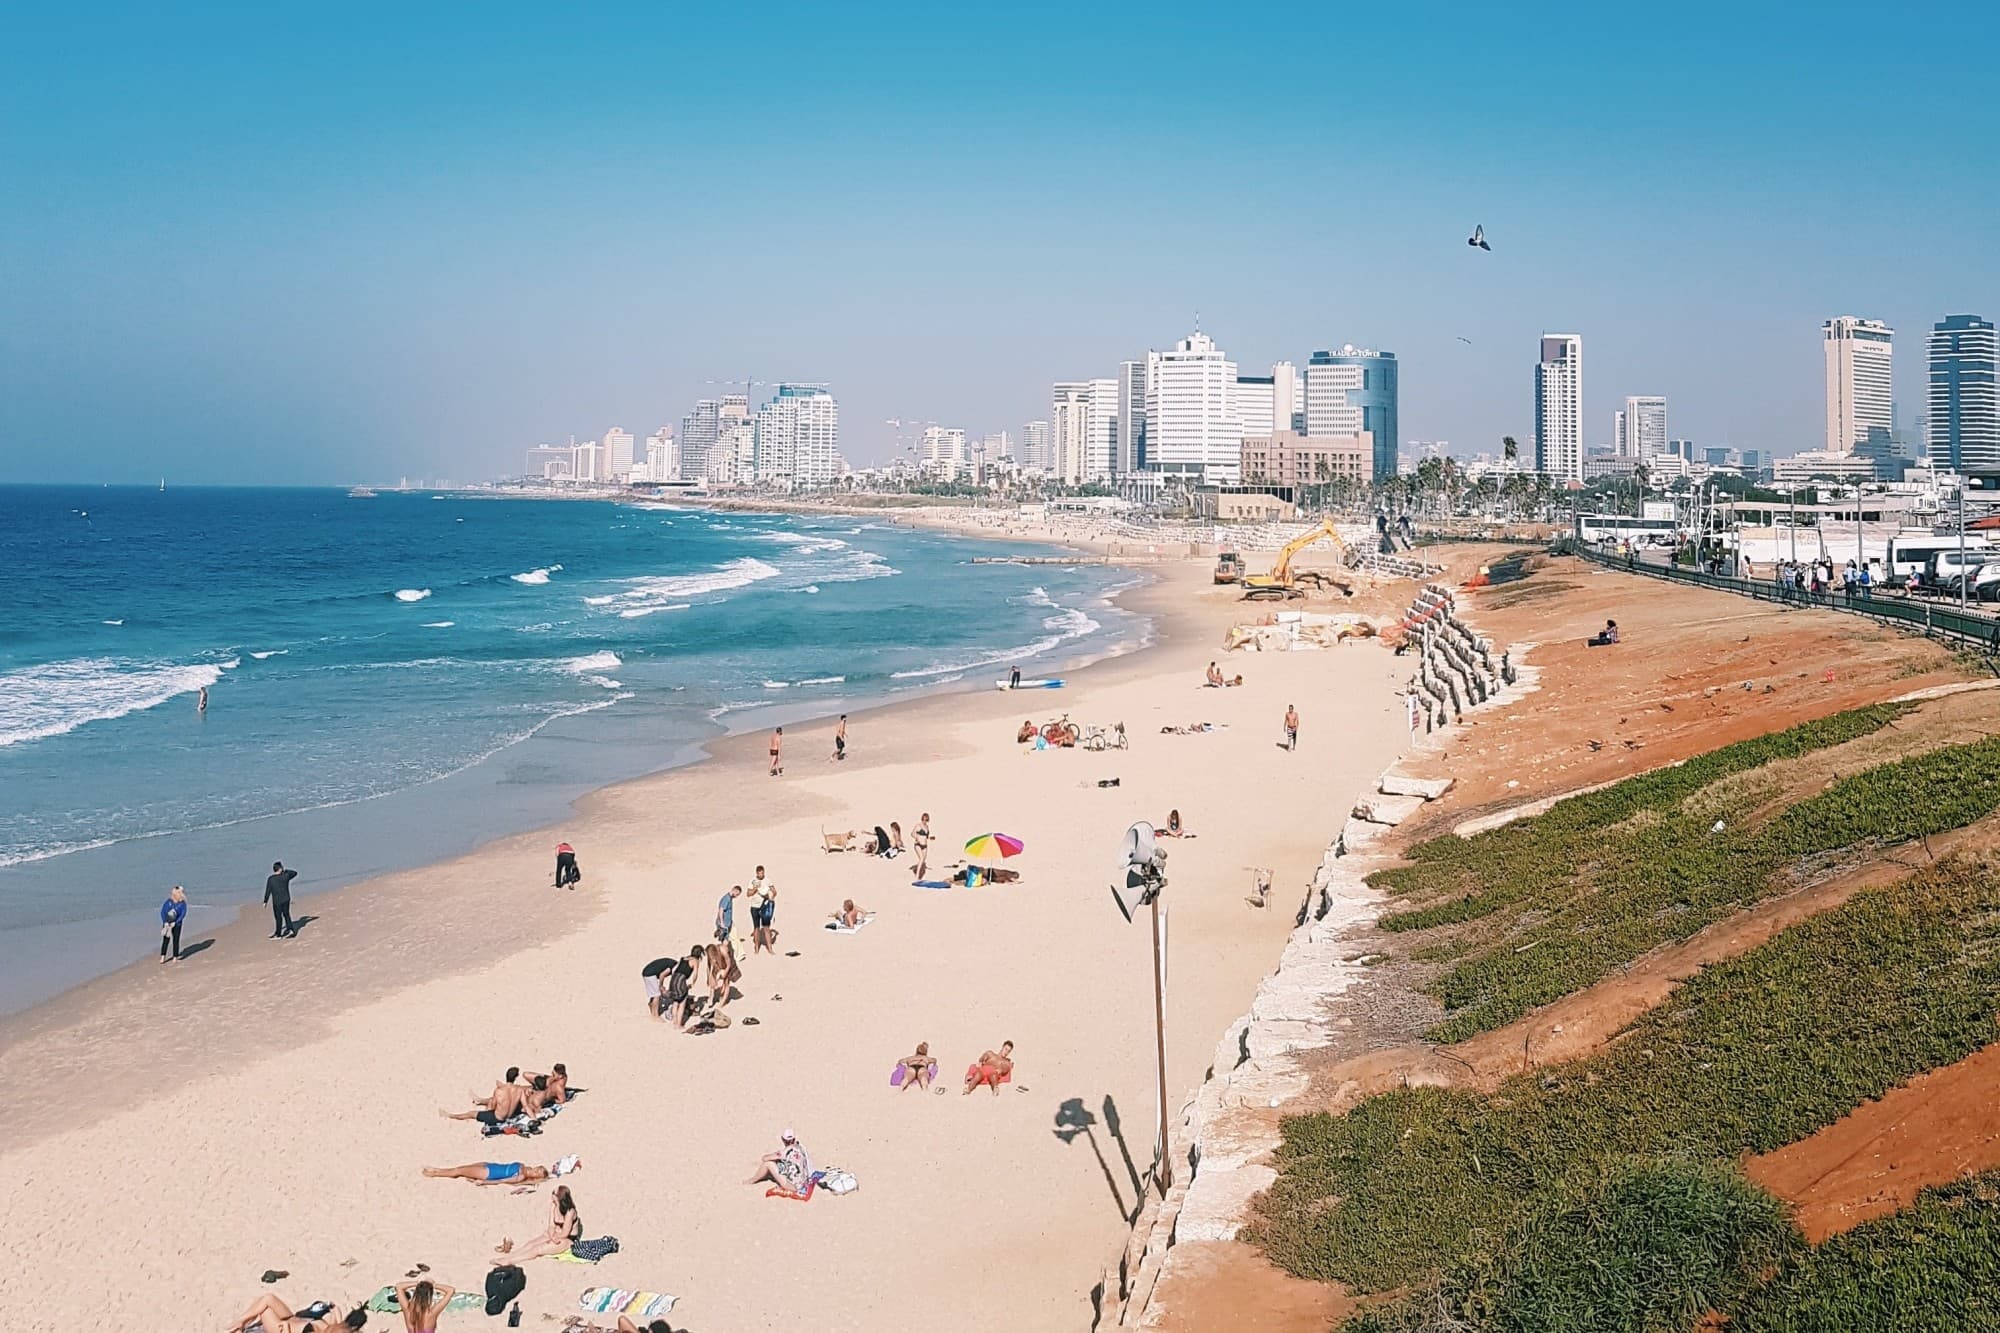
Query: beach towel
384	1302
638	1306
523	1122
839	929
932	884
780	1192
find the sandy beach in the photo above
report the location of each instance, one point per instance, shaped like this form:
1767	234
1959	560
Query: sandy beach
268	1105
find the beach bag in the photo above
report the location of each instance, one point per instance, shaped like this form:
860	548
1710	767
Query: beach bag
590	1251
503	1285
836	1181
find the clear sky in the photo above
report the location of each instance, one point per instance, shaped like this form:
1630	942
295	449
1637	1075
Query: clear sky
284	243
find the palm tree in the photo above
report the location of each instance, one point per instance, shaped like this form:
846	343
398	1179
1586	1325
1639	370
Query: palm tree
1510	449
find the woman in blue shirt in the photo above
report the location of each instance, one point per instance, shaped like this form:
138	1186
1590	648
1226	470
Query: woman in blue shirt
172	912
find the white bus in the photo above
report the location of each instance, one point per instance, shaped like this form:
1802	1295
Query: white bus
1597	528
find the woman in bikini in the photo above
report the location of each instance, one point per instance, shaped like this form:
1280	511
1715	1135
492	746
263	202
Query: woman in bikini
917	1068
490	1173
274	1316
423	1302
849	915
565	1229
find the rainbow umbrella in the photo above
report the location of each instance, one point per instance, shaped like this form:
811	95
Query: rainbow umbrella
989	845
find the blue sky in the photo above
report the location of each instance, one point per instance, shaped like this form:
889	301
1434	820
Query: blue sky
279	245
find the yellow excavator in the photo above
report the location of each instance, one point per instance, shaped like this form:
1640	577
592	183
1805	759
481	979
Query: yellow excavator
1282	581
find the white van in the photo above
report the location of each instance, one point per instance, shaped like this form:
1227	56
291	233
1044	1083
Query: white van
1948	566
1916	553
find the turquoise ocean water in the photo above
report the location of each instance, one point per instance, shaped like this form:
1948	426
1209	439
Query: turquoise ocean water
395	679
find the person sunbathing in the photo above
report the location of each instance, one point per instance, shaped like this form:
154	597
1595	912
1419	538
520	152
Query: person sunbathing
991	1069
564	1230
550	1089
655	1326
504	1103
274	1316
490	1173
422	1303
849	915
917	1067
788	1169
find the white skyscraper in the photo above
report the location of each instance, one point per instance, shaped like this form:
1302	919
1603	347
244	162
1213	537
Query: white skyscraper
698	431
798	437
1644	428
941	451
1257	405
1288	399
1858	380
1192	430
1035	444
1069	430
617	454
1131	418
589	461
662	463
1329	409
1558	407
1100	446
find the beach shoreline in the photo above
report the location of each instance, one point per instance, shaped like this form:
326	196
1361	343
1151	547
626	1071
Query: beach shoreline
417	982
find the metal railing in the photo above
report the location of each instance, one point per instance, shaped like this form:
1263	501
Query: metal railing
1921	616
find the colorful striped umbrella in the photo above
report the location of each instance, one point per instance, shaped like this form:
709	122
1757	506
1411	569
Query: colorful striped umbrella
989	845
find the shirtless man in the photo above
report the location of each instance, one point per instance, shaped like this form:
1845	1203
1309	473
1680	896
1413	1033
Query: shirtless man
508	1098
777	745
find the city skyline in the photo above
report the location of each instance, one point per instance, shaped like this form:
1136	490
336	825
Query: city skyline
319	250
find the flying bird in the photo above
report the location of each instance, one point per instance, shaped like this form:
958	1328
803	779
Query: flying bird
1478	239
1467	341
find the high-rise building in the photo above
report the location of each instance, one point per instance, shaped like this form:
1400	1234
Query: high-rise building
798	437
1352	390
1192	430
1288	398
1858	380
941	453
1069	430
1963	422
1100	448
1257	405
1641	429
662	464
617	454
698	431
1131	418
1035	444
1559	407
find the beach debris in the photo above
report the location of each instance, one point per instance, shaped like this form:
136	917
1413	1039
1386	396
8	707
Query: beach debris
1400	784
280	1274
1717	826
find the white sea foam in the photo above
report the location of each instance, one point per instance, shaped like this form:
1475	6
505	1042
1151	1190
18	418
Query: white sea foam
804	541
825	680
605	600
633	613
540	627
605	681
593	662
439	624
663	592
777	685
275	652
412	594
810	587
1068	623
532	576
114	622
48	700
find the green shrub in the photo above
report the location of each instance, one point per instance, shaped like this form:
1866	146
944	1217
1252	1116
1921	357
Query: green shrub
1588	906
1932	1268
1751	1054
1637	1245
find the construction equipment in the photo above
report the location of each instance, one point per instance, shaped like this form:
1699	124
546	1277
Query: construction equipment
1228	567
1283	582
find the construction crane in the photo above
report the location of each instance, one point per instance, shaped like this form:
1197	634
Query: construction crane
1283	582
747	384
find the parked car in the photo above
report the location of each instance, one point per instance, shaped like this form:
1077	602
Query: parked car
1984	585
1946	566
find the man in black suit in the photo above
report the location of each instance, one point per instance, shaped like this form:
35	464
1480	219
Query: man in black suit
278	893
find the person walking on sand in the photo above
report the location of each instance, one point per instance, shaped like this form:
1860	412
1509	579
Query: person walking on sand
172	912
725	912
278	893
1291	727
840	739
777	745
763	896
920	840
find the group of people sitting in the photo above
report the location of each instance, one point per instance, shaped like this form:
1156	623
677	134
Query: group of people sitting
990	1070
1214	679
517	1094
887	843
675	987
1062	734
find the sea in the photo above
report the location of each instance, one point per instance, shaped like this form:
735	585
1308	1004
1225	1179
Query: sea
394	679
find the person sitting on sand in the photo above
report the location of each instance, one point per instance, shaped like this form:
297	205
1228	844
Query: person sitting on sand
917	1067
849	915
505	1102
564	1230
896	838
422	1303
1027	733
490	1173
1606	636
991	1069
1213	678
1174	828
789	1168
274	1316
